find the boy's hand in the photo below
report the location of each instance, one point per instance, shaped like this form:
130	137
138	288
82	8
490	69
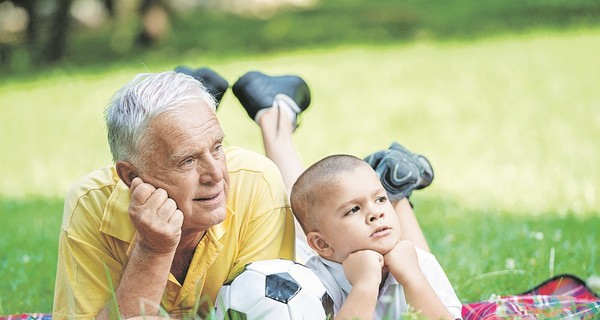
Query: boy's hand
155	217
363	267
404	265
402	261
363	271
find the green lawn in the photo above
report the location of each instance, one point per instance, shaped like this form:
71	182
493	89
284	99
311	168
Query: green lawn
509	123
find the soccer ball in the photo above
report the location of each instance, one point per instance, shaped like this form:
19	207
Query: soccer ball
275	289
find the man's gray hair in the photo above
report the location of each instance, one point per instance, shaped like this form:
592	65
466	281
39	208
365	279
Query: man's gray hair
148	95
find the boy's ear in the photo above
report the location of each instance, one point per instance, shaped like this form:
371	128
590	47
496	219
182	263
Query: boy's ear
317	242
126	171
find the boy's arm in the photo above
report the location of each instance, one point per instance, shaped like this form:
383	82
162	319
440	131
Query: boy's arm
363	271
403	263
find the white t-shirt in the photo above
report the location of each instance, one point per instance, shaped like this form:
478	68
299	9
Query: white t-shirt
391	302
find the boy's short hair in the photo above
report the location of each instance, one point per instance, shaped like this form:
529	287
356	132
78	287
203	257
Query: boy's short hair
310	190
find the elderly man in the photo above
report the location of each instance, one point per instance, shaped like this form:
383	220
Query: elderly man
178	214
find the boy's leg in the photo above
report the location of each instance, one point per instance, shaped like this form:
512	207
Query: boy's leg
409	225
274	103
276	128
401	172
288	96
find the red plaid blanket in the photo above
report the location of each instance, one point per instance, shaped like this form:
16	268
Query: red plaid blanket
28	316
562	297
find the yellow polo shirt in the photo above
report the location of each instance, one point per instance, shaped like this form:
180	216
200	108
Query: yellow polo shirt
96	234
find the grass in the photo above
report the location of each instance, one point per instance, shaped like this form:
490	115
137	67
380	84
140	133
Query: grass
28	251
499	252
509	123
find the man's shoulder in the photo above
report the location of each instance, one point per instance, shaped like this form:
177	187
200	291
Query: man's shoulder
102	178
249	170
92	191
241	161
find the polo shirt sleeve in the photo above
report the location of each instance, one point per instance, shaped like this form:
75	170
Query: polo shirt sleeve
259	198
87	258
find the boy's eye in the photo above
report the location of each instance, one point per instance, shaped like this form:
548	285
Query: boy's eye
353	210
381	199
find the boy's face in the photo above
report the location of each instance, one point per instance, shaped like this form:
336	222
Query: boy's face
356	214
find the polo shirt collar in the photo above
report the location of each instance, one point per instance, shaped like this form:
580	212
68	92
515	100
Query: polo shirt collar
337	271
115	221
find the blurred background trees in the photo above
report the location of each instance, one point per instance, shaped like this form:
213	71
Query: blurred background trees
41	34
42	27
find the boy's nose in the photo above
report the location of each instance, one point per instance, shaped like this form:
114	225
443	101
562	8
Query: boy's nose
375	216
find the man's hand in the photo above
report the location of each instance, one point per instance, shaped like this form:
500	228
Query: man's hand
155	217
158	223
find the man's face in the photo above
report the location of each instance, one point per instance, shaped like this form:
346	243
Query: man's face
356	215
184	156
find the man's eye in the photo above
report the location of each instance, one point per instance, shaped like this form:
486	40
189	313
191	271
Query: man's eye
188	161
219	149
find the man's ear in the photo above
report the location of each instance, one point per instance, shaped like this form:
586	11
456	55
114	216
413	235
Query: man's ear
316	242
126	171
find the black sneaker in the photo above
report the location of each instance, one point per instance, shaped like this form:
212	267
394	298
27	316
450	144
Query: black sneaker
257	91
214	83
401	171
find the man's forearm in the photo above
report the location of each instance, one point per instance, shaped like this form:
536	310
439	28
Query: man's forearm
142	285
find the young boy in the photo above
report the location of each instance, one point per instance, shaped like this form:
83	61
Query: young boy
368	271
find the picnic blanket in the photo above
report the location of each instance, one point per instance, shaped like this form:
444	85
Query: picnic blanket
28	316
561	297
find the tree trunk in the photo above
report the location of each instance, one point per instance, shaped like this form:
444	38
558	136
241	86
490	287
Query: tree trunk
59	31
110	7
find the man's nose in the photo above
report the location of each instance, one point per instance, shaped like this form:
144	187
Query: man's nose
209	171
